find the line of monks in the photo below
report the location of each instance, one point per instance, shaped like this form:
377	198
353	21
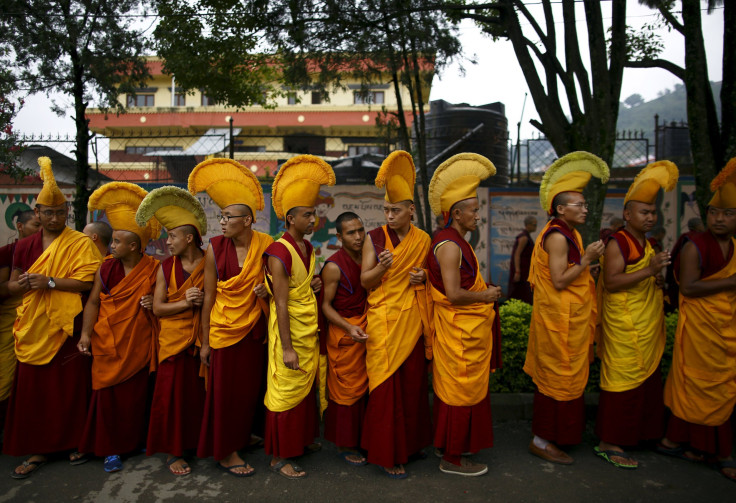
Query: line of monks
209	348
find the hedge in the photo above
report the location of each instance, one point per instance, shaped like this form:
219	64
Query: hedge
515	319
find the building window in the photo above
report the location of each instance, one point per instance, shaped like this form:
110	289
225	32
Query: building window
316	98
180	100
291	98
207	101
354	150
369	98
140	100
148	150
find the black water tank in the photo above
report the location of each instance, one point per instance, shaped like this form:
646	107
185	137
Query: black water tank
447	123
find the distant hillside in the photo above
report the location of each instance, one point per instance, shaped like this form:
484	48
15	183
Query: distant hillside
671	106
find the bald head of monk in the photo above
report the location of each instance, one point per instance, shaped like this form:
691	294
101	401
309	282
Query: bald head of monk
183	238
235	220
571	208
100	233
300	220
465	215
26	223
52	218
640	217
125	245
399	215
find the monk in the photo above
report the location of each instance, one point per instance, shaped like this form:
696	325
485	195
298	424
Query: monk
343	304
51	269
397	422
521	256
701	386
293	346
101	234
27	224
631	339
233	321
119	330
564	313
178	398
465	320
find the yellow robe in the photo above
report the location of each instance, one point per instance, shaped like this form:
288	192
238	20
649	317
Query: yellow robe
632	332
562	328
46	317
397	314
8	307
701	385
462	347
287	388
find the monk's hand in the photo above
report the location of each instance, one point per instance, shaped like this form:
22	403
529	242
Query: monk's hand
386	258
316	284
147	302
594	251
357	334
194	297
37	281
84	345
493	293
291	359
659	280
23	281
261	291
204	354
417	276
659	261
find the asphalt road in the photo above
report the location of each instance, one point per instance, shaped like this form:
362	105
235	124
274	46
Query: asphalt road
514	475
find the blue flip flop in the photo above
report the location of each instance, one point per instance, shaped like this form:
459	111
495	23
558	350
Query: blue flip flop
113	464
344	455
397	476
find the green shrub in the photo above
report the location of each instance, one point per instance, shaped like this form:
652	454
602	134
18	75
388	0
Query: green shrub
670	322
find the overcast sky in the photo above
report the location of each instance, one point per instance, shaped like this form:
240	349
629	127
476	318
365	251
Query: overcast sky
495	77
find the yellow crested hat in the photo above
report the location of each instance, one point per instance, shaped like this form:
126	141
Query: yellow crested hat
172	207
227	182
570	173
121	200
50	194
297	183
724	186
398	175
656	175
457	179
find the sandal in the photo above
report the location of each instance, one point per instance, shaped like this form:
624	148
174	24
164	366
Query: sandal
27	463
278	468
344	455
679	452
726	463
229	469
184	466
609	455
397	476
77	458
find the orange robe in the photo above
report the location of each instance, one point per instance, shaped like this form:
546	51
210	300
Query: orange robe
124	337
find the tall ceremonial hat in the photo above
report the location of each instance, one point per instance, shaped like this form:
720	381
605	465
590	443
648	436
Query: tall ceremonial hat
297	183
398	175
724	186
456	180
121	200
172	207
227	182
570	173
656	175
50	194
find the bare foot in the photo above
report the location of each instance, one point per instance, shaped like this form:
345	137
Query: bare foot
287	469
178	466
396	470
30	464
230	463
352	457
727	471
624	460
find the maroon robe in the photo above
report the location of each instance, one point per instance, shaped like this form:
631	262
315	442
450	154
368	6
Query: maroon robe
117	420
60	389
521	289
344	423
6	260
233	403
178	399
288	433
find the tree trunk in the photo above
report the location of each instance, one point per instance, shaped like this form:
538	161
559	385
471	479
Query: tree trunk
81	196
728	84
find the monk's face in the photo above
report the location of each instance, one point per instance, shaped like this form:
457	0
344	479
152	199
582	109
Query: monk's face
235	219
641	217
124	244
466	214
398	215
52	218
28	228
574	210
721	222
352	236
302	219
179	240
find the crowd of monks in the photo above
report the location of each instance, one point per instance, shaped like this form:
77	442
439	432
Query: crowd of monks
243	344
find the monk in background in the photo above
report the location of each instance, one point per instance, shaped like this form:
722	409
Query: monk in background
701	387
521	256
293	346
120	330
233	314
51	270
561	333
101	234
344	306
178	399
631	337
397	423
465	319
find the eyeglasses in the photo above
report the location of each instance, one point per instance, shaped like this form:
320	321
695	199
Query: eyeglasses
580	205
227	218
51	213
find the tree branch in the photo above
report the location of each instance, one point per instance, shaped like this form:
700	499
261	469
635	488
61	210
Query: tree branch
674	69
